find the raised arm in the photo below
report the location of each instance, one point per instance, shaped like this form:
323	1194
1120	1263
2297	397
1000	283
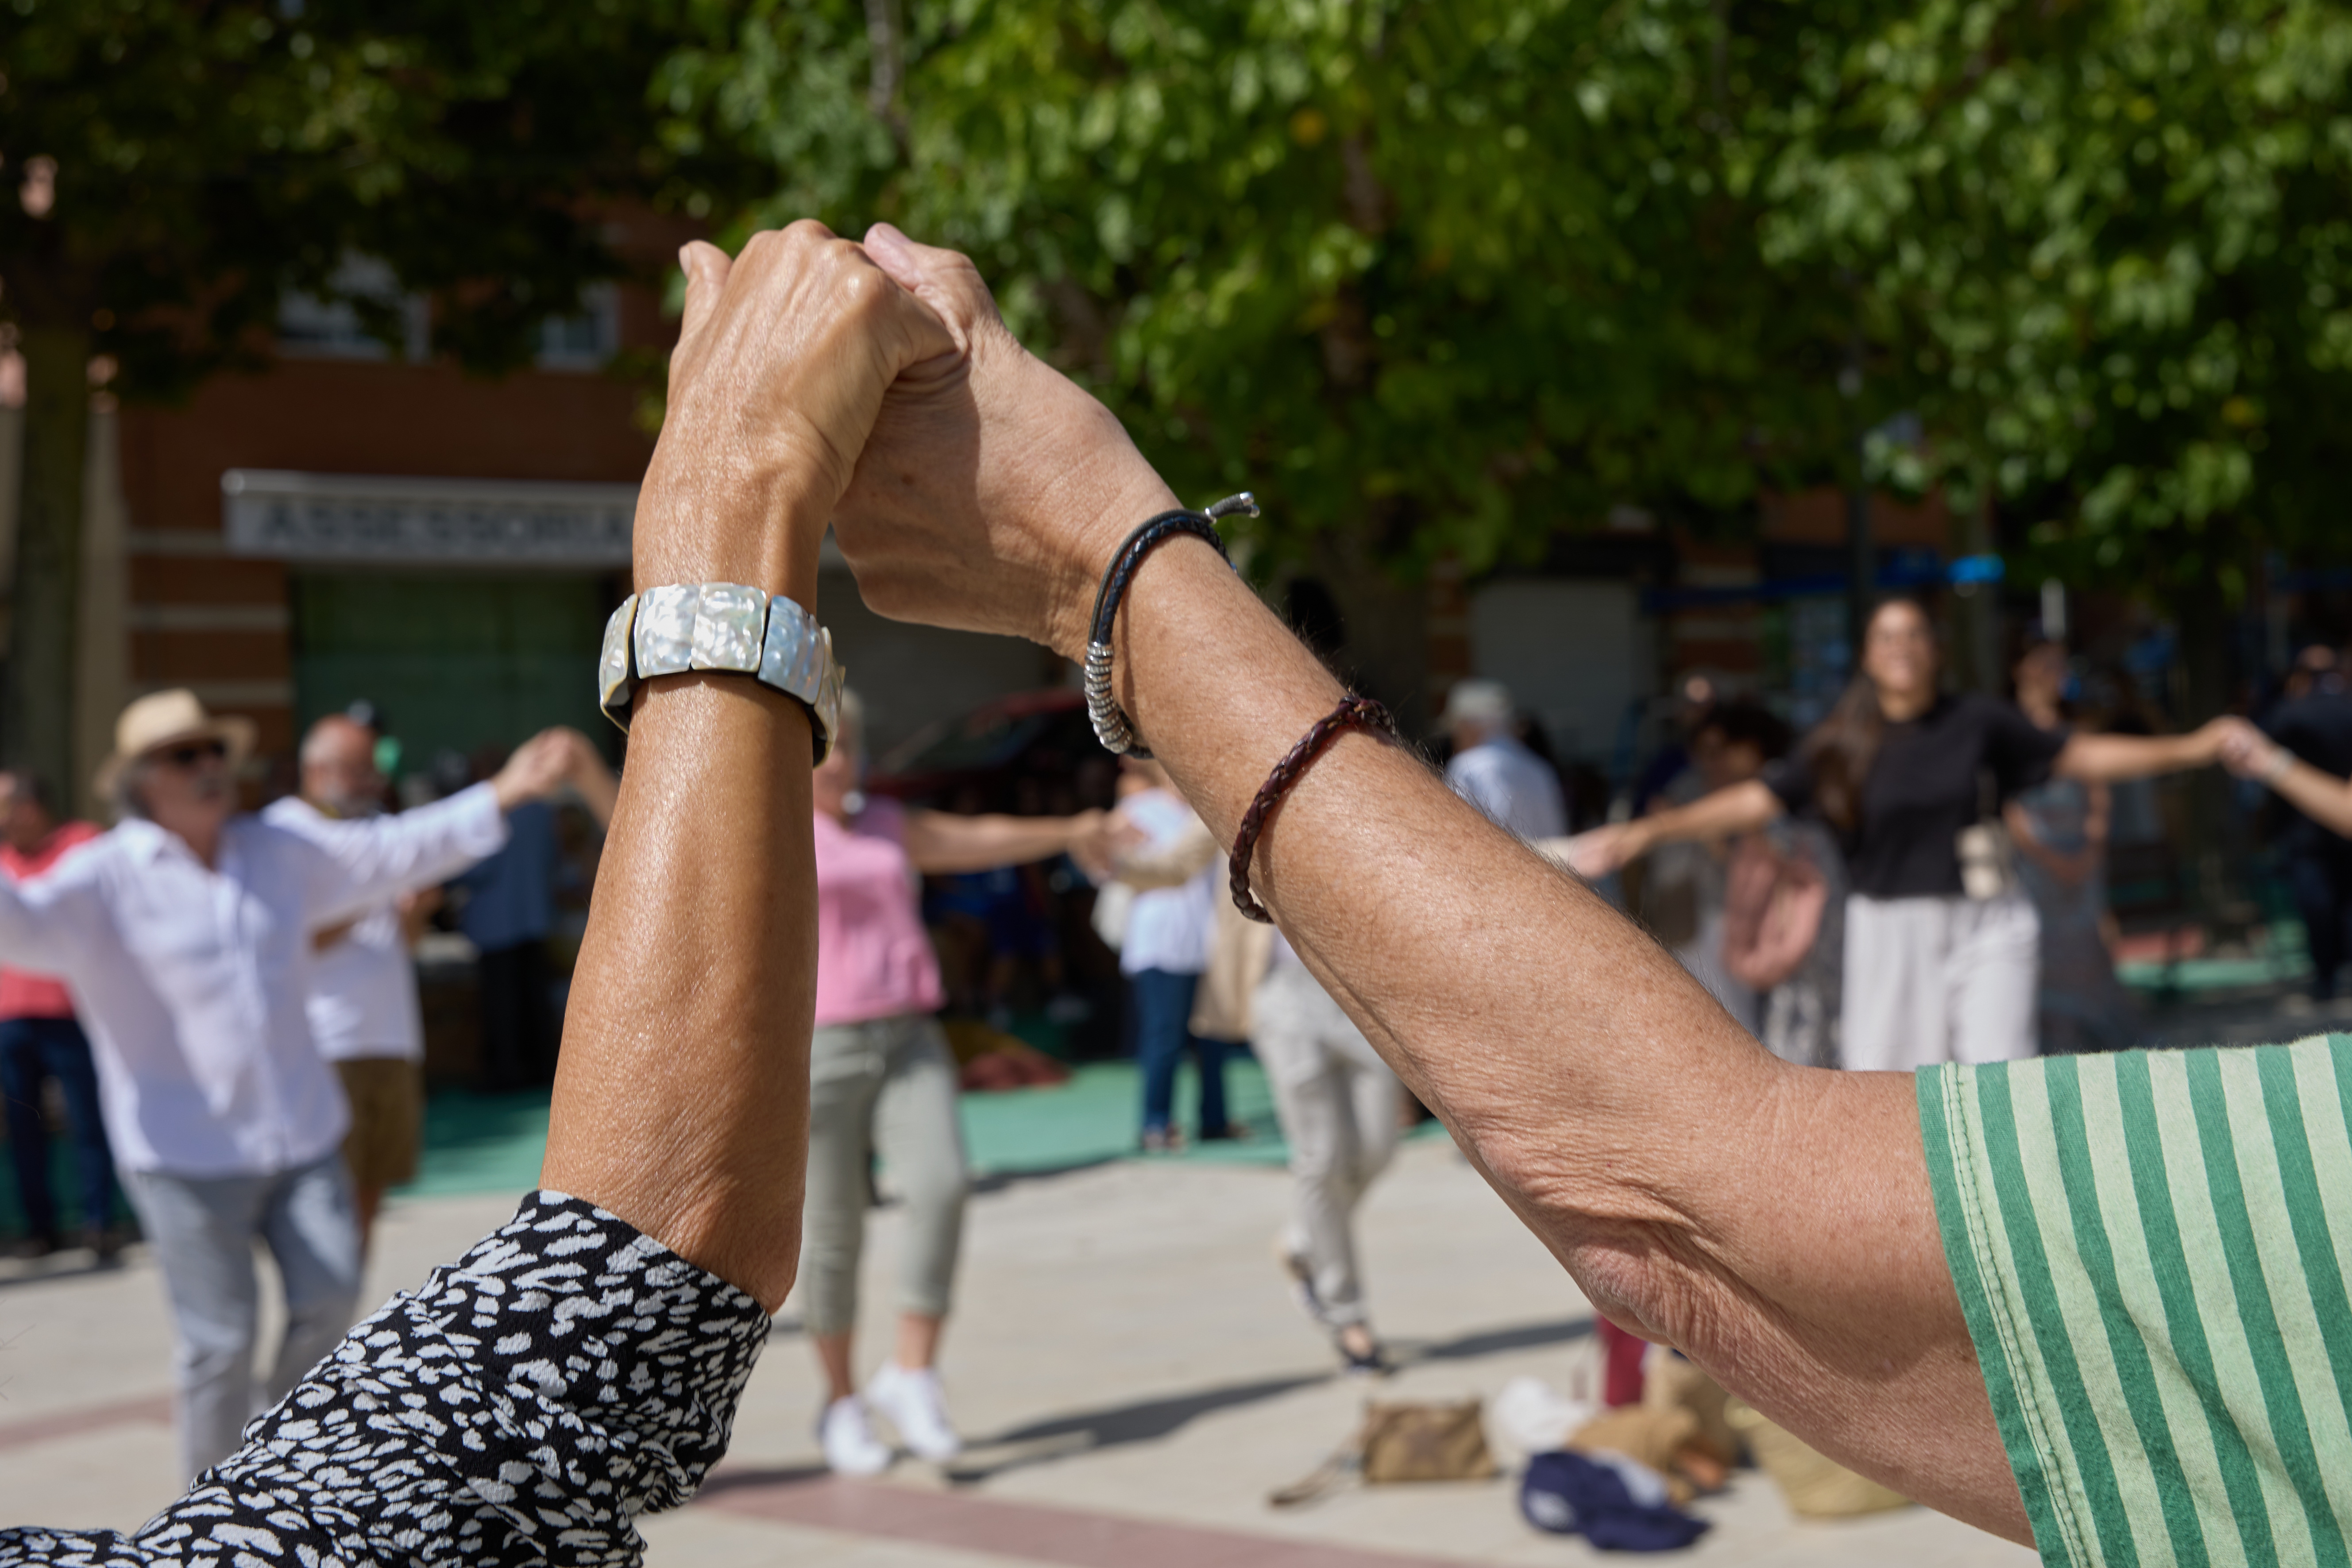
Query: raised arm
572	1374
1775	1222
2111	758
49	923
681	1100
1734	808
374	858
944	841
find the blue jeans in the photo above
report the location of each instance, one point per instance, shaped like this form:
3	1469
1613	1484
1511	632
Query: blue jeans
30	1050
1163	1020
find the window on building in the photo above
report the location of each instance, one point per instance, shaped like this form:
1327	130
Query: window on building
584	340
330	326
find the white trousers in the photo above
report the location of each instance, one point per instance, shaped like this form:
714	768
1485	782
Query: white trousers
1338	1102
1939	979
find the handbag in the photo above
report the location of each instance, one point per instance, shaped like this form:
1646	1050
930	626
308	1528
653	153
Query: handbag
1986	855
1772	907
1440	1441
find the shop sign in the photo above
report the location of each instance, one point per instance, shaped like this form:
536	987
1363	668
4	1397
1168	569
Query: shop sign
349	517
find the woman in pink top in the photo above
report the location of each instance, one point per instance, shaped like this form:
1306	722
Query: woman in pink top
881	1081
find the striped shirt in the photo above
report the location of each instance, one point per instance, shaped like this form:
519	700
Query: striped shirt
2150	1250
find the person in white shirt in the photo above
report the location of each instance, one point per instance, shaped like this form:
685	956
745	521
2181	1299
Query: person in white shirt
1516	789
186	932
362	1001
1163	953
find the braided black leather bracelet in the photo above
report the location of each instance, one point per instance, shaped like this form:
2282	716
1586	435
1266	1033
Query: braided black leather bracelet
1112	727
1353	713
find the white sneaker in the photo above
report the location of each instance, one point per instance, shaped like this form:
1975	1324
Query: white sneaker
851	1449
912	1402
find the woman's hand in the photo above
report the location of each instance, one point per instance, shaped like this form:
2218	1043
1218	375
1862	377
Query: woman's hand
1598	851
2217	738
781	362
993	489
2248	753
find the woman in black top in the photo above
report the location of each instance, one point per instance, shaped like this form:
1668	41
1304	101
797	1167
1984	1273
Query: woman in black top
1901	771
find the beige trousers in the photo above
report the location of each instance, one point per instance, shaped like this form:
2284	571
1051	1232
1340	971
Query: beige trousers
1339	1103
886	1087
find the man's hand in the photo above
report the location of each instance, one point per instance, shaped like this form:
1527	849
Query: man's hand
993	489
781	361
539	767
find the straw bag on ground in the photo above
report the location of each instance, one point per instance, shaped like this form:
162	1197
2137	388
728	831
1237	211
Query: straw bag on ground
1402	1442
1816	1486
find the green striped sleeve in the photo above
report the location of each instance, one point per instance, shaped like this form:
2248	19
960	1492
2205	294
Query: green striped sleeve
2150	1250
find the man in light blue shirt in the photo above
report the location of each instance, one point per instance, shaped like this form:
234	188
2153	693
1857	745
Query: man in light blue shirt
1492	770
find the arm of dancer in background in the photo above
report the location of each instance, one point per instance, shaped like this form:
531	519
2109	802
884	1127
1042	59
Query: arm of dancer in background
1743	808
1776	1224
2112	758
944	841
361	863
593	779
681	1102
1732	810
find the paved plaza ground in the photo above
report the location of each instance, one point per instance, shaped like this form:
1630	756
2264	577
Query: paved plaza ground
1130	1371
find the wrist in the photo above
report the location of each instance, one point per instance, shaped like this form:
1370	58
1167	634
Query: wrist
1097	519
700	522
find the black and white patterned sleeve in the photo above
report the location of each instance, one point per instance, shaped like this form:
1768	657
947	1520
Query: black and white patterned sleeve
524	1406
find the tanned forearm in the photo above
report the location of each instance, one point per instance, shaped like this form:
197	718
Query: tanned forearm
2111	758
681	1102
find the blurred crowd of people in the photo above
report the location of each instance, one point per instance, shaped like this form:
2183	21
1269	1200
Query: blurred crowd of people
223	1006
1925	876
225	1001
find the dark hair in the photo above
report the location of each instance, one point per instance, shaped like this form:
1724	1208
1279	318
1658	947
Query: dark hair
1742	722
35	787
1841	748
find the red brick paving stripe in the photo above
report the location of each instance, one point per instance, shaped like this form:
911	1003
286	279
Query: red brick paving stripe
153	1410
1059	1535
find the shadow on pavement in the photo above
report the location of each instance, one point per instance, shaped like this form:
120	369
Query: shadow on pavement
49	1270
731	1480
1002	1181
1062	1437
1494	1342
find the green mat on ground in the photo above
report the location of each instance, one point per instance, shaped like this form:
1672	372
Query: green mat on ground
492	1143
2283	958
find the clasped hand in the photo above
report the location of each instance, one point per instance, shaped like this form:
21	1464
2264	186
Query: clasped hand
876	388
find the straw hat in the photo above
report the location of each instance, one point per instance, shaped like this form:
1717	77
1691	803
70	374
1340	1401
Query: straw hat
174	718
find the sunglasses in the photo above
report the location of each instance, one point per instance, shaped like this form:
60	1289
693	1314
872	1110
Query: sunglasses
193	753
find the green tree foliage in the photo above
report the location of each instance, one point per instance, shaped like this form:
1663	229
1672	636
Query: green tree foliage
1456	274
2107	252
1464	274
181	166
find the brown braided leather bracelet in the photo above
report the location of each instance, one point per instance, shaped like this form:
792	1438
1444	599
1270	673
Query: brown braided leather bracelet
1353	713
